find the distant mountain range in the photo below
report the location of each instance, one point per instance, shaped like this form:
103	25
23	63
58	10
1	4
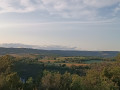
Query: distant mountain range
29	49
50	47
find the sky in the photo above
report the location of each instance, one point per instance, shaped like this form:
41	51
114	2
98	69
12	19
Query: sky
81	24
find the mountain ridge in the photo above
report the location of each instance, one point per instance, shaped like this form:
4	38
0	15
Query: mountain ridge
4	51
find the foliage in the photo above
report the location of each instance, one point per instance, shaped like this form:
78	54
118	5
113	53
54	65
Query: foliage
29	74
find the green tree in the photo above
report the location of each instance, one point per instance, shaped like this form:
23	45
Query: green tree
10	82
13	81
118	57
66	81
51	81
6	62
76	83
29	85
96	80
113	73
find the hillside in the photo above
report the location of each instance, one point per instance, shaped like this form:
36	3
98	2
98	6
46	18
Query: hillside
4	51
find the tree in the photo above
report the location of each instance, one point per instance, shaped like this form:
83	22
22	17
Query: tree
113	73
76	83
6	62
66	80
118	57
51	81
10	82
13	81
29	85
96	80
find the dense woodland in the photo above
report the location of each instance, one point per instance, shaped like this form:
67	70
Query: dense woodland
30	73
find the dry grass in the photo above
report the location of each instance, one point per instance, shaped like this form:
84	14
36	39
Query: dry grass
47	61
67	64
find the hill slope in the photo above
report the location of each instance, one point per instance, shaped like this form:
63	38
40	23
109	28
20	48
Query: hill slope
4	51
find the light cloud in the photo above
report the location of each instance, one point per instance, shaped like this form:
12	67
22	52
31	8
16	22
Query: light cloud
76	9
117	9
100	3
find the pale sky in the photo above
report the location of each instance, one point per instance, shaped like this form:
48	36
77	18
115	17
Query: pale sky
84	24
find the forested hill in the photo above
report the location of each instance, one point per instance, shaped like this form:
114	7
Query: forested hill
4	51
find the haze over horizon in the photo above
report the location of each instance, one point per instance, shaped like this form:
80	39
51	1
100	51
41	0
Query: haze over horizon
83	24
45	47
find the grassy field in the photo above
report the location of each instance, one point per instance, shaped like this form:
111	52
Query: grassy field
46	61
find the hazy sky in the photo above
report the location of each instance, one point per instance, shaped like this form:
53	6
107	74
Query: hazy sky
84	24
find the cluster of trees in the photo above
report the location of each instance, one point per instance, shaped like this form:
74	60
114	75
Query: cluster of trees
81	59
102	76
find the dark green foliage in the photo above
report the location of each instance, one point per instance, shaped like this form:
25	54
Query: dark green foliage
29	85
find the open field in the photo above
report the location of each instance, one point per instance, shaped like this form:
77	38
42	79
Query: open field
45	61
